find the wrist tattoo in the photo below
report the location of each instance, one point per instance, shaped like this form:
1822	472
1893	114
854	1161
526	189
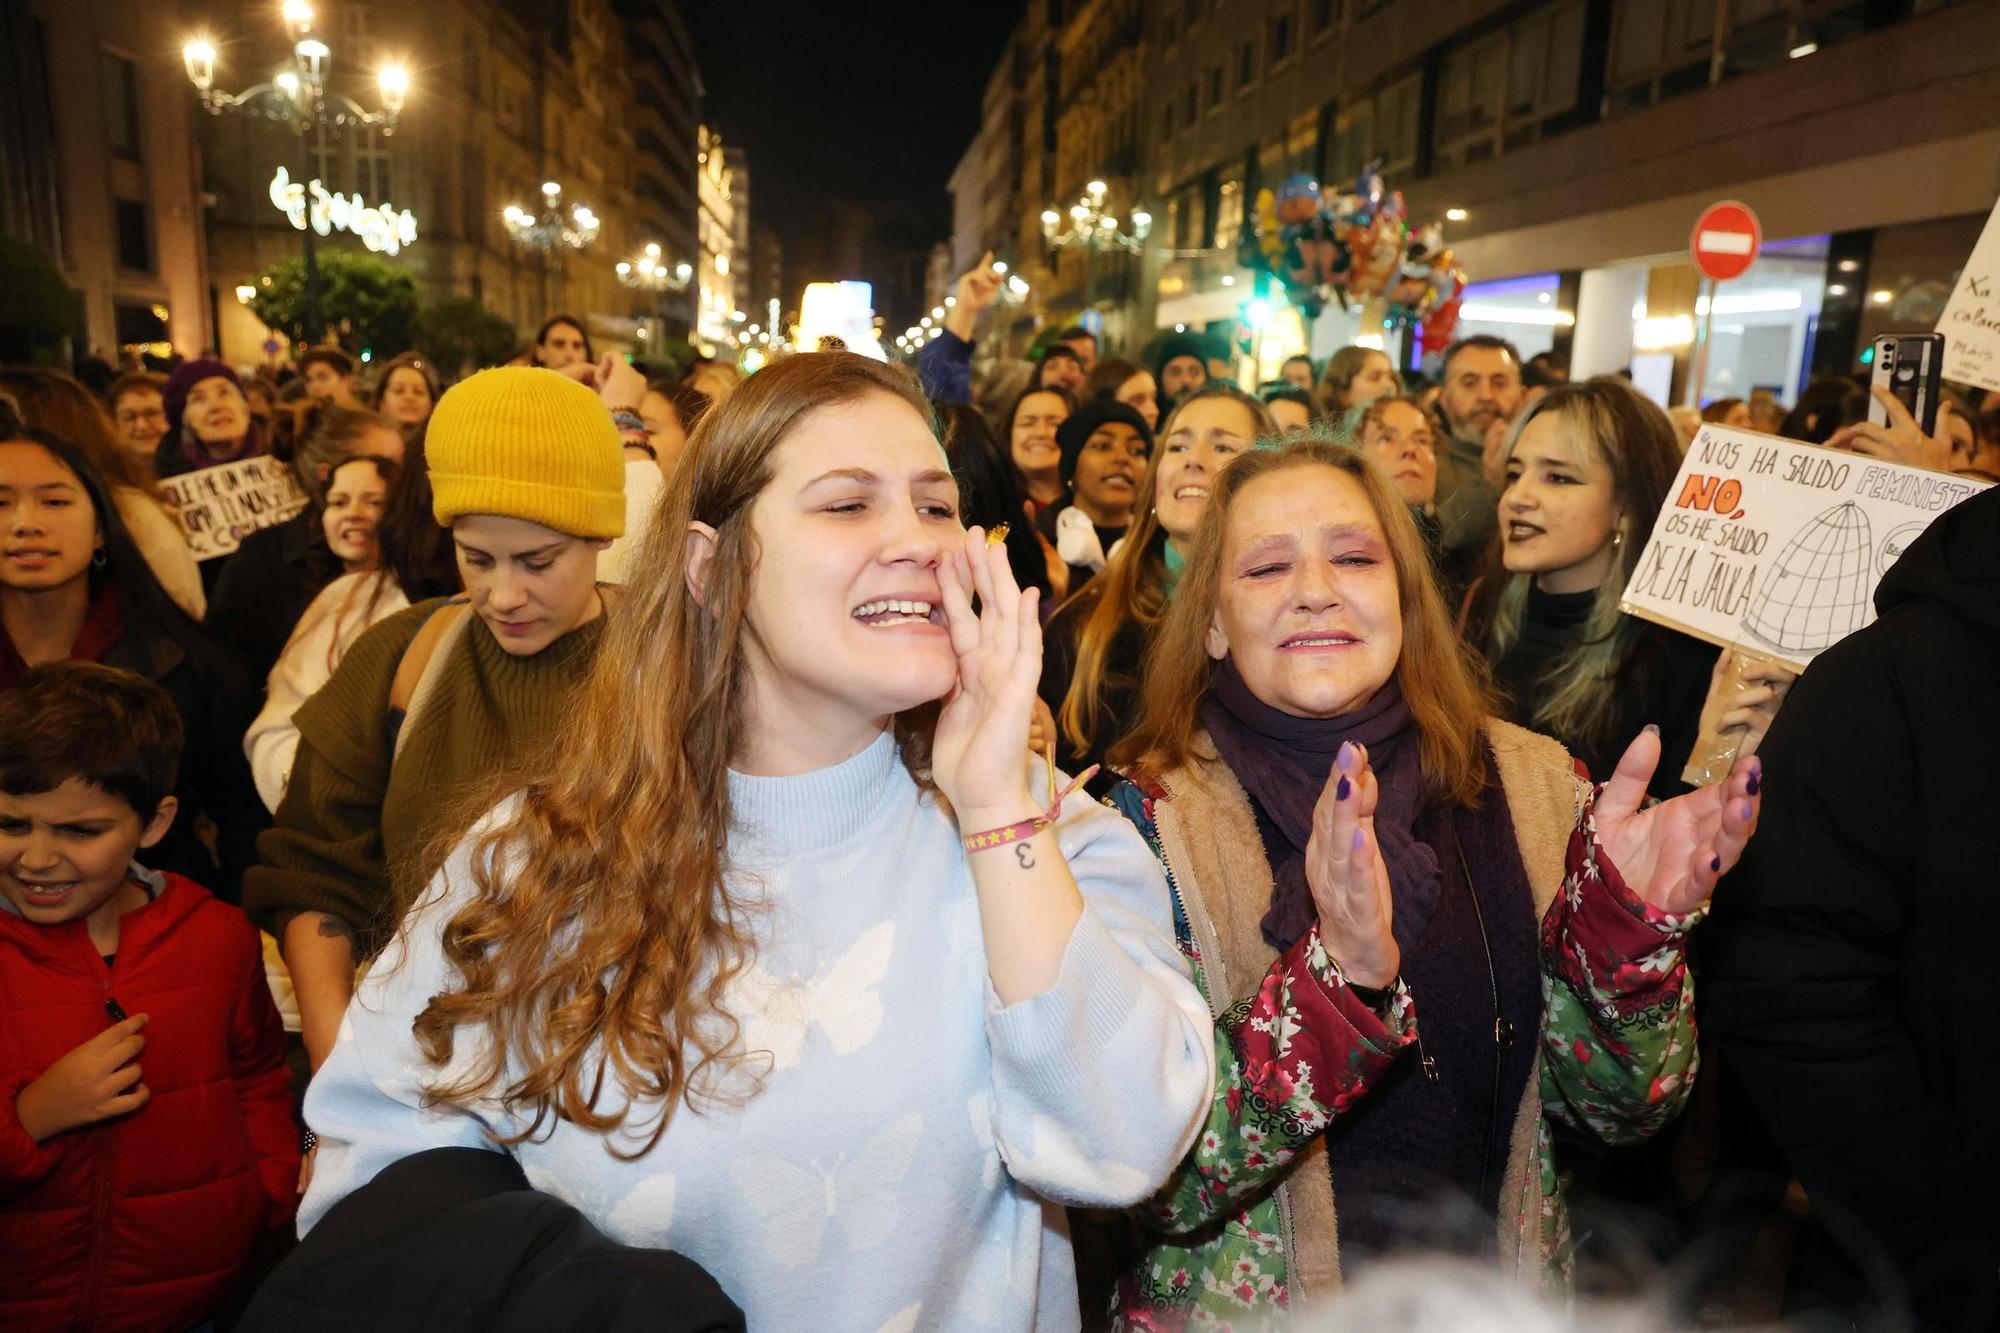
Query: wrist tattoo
1024	856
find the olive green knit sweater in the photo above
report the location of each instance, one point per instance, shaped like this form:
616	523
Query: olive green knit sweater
353	826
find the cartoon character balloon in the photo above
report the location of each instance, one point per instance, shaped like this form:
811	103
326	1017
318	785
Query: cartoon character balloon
1355	247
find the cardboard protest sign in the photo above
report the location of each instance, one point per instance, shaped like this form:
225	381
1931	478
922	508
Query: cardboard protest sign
1971	320
220	506
1776	546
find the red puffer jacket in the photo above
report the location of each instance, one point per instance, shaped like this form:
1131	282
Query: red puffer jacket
143	1222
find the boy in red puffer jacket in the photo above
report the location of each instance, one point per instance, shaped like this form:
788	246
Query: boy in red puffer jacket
147	1139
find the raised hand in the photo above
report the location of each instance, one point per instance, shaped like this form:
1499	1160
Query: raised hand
979	758
1349	882
1901	440
1743	707
95	1081
1672	854
977	291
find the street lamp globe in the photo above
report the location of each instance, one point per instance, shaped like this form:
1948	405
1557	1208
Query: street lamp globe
198	58
394	81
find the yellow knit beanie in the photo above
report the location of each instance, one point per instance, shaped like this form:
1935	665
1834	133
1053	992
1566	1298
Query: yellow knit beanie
527	443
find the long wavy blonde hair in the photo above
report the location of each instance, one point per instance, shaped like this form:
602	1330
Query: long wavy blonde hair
600	939
1442	680
1134	580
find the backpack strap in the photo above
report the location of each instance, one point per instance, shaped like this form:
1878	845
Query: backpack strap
414	680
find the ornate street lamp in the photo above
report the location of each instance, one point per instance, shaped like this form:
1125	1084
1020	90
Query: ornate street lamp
651	273
297	97
551	232
1096	230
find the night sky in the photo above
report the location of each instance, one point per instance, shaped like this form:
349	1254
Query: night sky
873	103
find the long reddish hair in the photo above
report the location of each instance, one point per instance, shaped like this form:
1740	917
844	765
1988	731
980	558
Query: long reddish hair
1442	681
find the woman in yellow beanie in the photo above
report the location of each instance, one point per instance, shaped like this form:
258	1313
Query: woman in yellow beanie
528	472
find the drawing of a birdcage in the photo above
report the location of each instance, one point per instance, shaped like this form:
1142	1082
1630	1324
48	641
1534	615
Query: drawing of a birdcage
1817	591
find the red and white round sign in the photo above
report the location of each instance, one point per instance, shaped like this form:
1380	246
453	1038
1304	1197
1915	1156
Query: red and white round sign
1725	240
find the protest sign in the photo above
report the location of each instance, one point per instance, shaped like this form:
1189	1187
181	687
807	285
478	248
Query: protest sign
1971	320
1776	546
220	506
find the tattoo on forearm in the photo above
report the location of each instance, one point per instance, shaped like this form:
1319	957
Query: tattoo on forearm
1024	856
332	927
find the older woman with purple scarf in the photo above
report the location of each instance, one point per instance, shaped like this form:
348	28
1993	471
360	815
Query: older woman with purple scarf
1425	938
208	420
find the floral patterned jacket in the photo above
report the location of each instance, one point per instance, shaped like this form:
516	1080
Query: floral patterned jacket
1616	1060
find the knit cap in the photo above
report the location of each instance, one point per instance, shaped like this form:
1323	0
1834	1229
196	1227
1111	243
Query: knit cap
1176	347
531	444
1076	430
179	384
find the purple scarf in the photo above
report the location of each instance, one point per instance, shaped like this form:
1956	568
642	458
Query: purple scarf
1283	762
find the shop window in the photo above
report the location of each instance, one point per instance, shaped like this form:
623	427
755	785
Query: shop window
134	233
1659	50
1281	38
120	80
1246	65
1525	311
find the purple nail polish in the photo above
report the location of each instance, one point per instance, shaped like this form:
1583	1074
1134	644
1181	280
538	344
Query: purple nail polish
1360	840
1748	812
1715	864
1346	755
1756	781
1340	792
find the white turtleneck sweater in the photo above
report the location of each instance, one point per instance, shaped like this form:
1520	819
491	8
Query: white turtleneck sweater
906	1163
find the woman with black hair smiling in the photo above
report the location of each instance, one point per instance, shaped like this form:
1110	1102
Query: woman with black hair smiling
74	586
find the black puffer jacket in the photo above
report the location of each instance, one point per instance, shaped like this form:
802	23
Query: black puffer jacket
454	1239
1850	978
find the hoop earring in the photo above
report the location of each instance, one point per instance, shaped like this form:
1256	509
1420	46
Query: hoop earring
98	559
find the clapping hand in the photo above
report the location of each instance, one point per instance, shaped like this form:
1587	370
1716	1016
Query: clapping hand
1349	881
979	758
1672	854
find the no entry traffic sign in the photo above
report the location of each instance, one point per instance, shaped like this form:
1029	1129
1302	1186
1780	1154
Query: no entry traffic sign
1725	240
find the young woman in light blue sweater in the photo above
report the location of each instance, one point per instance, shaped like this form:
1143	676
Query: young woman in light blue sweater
723	970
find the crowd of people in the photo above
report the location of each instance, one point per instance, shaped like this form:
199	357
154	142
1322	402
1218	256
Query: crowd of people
973	844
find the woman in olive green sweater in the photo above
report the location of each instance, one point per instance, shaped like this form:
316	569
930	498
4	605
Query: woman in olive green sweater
528	472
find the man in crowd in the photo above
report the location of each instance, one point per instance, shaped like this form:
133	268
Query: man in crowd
1061	368
1482	392
1083	342
562	341
329	376
1181	367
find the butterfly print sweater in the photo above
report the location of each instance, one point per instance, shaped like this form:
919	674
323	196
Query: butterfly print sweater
907	1159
